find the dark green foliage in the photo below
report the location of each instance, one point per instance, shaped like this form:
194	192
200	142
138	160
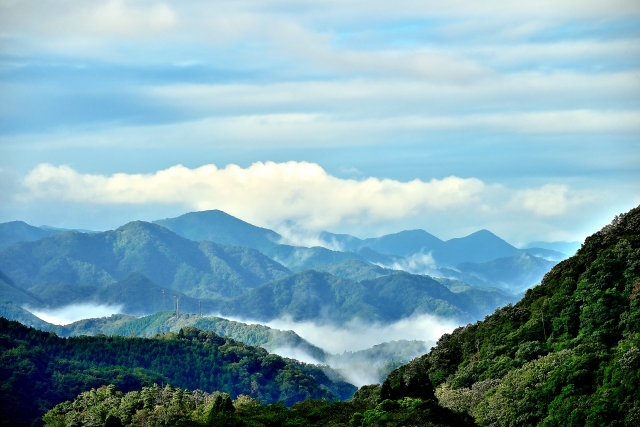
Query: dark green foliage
369	394
39	369
156	406
564	355
410	380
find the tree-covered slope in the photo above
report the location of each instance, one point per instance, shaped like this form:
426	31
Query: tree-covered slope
39	369
355	269
567	354
10	292
199	269
322	297
166	321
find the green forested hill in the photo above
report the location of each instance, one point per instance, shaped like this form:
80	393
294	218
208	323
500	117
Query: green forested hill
255	335
10	292
355	269
199	269
567	354
39	369
313	295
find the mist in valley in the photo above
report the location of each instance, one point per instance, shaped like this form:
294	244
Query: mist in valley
74	312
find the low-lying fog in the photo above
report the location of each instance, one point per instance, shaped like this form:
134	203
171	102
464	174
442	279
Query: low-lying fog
357	335
74	312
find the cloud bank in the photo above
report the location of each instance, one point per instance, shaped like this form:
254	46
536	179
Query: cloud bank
357	335
270	193
74	312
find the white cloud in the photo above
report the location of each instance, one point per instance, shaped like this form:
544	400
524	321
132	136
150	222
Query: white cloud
358	335
74	312
549	200
270	193
418	263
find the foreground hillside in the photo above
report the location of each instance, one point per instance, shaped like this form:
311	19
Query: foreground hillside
567	354
39	369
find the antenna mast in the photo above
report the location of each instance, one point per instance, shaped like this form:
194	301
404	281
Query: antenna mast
164	302
177	305
200	305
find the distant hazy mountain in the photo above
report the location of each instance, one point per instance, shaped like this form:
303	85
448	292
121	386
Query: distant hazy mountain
567	248
199	269
548	254
220	227
481	246
372	365
514	274
312	295
19	231
10	292
404	243
62	230
300	258
355	269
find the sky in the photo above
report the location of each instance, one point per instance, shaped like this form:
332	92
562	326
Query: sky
348	116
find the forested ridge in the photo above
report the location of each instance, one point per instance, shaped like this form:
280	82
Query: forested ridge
39	369
567	354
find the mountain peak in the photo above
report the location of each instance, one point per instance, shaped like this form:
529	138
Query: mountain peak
220	227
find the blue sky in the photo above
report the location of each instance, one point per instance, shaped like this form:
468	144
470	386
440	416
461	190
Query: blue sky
358	117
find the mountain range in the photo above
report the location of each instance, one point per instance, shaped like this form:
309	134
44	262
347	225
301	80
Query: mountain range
480	246
565	354
212	262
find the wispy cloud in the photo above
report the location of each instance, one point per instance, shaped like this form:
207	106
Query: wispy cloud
74	312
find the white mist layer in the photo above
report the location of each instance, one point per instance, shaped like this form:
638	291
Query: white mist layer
74	312
418	263
359	335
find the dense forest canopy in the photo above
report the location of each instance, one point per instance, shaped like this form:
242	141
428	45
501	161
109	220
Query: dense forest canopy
567	354
40	370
